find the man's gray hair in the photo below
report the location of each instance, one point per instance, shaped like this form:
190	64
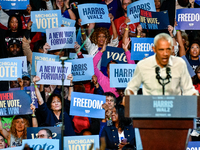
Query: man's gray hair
163	36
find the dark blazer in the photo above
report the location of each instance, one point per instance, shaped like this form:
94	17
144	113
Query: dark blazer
112	139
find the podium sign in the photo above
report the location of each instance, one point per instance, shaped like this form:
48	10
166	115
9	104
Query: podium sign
141	106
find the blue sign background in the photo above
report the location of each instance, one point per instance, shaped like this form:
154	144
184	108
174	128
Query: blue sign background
84	67
14	69
69	142
41	57
197	1
189	67
194	145
158	21
43	20
121	74
133	10
190	24
68	22
142	51
101	15
19	105
84	110
17	5
113	53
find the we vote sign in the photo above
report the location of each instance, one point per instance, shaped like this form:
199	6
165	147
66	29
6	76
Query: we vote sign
93	13
43	20
68	22
141	47
81	142
188	19
82	69
10	69
59	38
52	72
41	57
113	53
87	105
133	10
45	144
14	4
154	20
14	103
121	74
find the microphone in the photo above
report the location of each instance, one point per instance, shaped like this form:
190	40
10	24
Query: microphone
168	72
157	70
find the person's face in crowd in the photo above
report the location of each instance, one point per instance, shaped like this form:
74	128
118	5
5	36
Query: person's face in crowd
20	124
26	81
87	133
108	69
13	24
61	54
59	3
157	4
56	104
14	84
163	51
42	134
194	50
101	39
2	143
110	102
40	50
14	49
125	3
114	115
120	92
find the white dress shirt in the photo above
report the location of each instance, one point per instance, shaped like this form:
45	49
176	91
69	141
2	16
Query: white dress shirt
180	84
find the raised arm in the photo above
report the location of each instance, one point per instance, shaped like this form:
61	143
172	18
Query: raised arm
27	49
70	77
181	45
71	14
37	92
34	119
114	30
125	45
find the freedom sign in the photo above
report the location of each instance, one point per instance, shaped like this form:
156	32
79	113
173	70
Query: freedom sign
87	105
141	47
59	38
10	69
81	142
41	57
188	19
154	20
113	53
82	69
68	22
14	4
46	144
133	10
121	74
93	13
43	20
14	103
52	72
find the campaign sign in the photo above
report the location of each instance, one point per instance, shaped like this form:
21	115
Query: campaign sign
24	62
82	69
81	142
52	72
154	20
59	38
188	19
121	74
93	13
43	20
10	69
14	4
15	148
87	105
41	57
68	22
32	132
193	145
113	53
14	103
45	144
141	47
133	10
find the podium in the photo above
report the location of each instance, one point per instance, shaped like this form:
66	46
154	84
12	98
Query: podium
163	121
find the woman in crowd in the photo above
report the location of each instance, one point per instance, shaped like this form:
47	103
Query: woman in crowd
51	111
196	79
121	132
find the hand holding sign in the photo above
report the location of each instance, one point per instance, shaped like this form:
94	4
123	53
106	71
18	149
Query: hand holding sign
36	79
125	44
70	77
104	46
46	47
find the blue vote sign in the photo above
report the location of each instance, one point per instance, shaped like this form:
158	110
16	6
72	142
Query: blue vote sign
141	48
14	4
87	105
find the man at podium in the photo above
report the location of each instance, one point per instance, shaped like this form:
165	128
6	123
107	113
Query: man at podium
162	73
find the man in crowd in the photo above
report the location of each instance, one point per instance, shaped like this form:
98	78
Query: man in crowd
44	134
